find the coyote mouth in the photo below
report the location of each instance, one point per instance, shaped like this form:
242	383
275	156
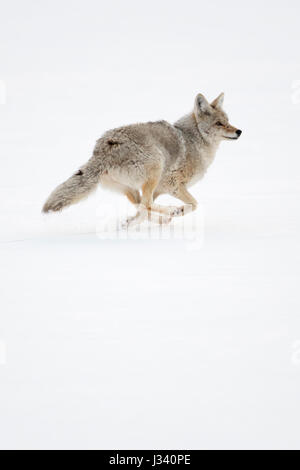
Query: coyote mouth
230	138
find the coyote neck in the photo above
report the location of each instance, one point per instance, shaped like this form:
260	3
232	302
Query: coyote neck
199	152
193	136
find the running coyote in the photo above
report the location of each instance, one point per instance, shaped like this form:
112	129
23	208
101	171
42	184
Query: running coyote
154	158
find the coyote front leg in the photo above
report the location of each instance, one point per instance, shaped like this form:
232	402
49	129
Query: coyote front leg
167	212
143	204
149	195
190	202
145	207
175	211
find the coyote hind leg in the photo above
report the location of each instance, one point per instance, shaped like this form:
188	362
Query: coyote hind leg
145	206
133	196
149	195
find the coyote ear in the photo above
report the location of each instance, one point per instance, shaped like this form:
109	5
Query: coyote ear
218	102
201	103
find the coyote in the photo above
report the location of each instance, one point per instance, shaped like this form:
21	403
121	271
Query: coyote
154	158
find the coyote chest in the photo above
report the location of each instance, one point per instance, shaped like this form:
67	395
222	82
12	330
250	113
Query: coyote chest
199	164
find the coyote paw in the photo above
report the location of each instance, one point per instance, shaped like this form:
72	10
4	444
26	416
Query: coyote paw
177	212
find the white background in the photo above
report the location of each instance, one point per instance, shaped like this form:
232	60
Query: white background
144	343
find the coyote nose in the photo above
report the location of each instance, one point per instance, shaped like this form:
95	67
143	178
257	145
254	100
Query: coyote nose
238	132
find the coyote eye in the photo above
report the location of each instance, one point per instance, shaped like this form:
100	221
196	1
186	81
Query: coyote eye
219	124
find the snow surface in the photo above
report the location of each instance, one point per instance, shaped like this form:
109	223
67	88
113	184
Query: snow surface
184	339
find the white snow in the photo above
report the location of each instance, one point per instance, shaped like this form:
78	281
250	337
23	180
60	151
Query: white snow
187	341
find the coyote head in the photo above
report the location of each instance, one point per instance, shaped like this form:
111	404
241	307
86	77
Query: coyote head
212	121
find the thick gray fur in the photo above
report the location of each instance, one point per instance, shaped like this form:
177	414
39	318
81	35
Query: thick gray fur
154	157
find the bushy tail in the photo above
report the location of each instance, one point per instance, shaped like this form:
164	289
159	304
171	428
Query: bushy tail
77	187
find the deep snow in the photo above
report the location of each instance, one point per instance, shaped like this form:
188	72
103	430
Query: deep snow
190	341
